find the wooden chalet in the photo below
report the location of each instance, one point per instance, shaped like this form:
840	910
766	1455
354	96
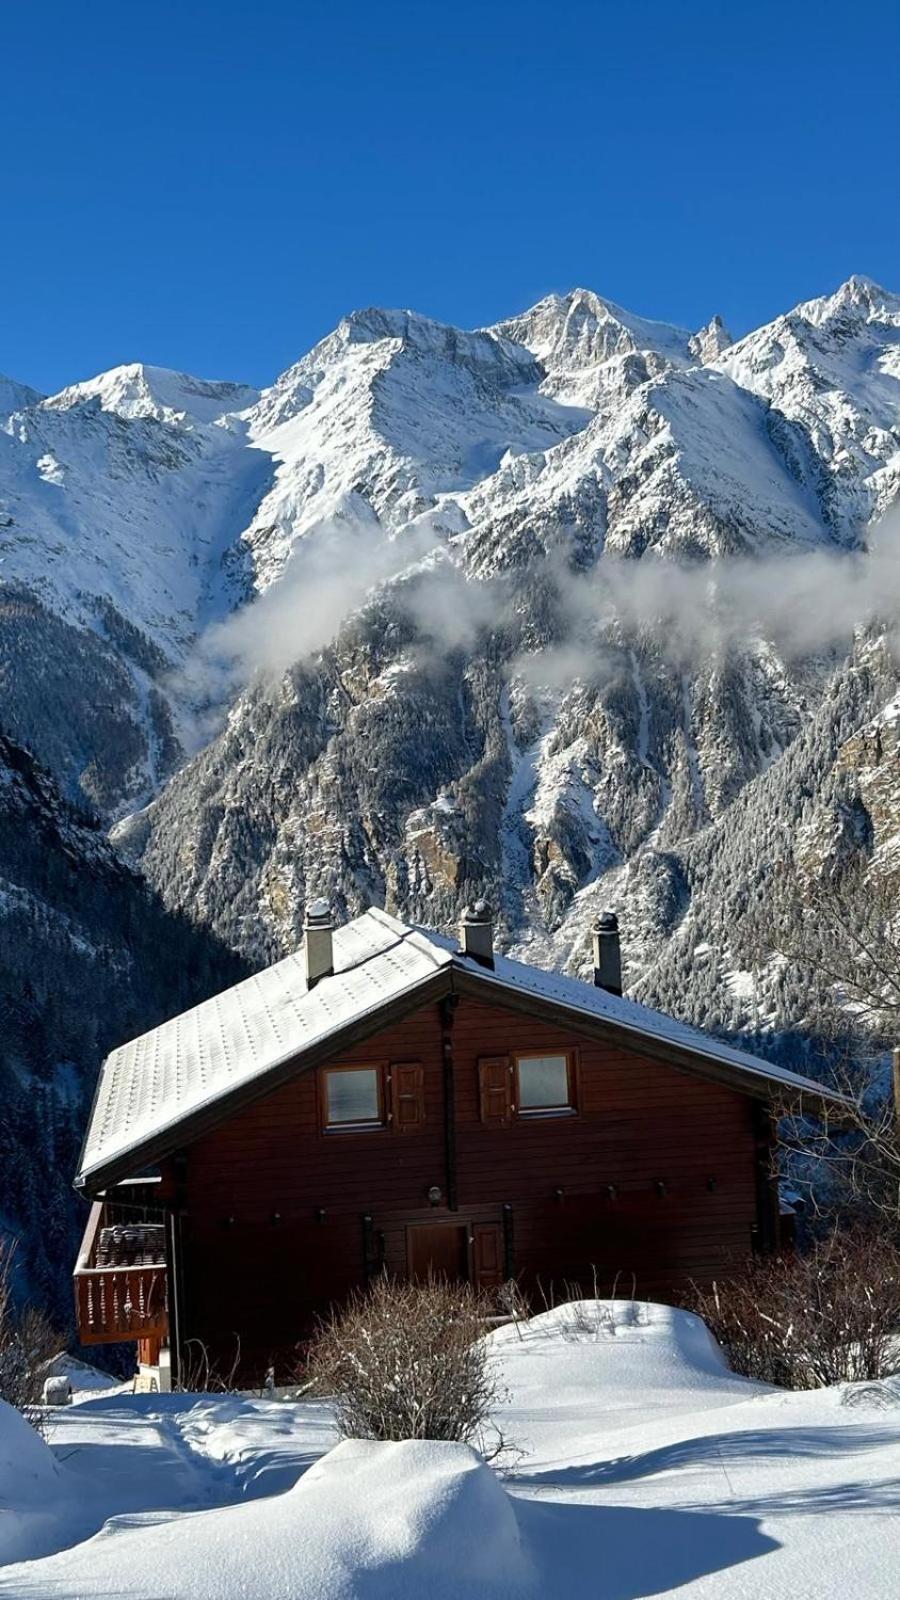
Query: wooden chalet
388	1099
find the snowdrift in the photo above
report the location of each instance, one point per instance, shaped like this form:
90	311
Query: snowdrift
388	1521
630	1357
30	1486
614	1349
28	1472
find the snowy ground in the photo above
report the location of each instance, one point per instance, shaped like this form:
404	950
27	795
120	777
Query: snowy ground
646	1468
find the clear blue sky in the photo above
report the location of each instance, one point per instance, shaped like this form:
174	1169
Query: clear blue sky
212	185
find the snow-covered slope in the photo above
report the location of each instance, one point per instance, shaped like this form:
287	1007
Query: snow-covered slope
385	417
116	505
830	369
639	1466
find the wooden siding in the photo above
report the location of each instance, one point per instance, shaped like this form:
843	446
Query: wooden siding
652	1179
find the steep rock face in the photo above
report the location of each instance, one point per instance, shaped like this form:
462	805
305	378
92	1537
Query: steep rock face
831	802
830	370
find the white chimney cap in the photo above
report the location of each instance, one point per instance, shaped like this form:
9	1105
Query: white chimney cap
479	912
319	910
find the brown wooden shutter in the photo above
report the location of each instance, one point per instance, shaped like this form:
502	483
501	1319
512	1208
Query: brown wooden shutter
495	1090
407	1095
487	1251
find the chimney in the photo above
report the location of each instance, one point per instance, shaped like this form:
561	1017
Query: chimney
318	926
607	954
476	933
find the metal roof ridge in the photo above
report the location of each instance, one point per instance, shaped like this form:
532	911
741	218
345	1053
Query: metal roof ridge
379	914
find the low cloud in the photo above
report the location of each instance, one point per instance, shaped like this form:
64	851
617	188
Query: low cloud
806	602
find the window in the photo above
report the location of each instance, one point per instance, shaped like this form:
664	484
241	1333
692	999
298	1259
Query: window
544	1083
531	1085
368	1098
354	1097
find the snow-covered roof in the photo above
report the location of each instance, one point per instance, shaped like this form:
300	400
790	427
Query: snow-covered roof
158	1080
167	1077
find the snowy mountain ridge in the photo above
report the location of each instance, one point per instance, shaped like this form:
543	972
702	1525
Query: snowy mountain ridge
137	390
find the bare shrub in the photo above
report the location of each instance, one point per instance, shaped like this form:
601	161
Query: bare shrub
27	1343
408	1361
199	1374
830	1315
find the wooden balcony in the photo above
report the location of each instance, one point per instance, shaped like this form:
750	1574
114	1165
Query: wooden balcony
120	1278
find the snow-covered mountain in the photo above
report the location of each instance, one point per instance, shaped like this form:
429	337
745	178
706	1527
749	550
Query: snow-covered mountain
438	614
493	717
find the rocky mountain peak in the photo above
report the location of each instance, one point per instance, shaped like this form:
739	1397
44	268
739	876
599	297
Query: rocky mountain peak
859	296
708	343
581	329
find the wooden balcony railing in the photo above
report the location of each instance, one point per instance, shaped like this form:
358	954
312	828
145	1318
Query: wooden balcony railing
120	1278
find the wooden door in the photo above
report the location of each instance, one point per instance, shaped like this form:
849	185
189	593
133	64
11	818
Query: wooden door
438	1250
487	1251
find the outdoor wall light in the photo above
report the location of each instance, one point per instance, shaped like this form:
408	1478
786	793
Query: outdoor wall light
434	1195
661	1187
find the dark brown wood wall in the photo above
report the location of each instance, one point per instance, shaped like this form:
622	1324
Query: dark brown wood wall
653	1178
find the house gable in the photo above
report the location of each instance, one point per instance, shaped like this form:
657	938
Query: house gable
166	1089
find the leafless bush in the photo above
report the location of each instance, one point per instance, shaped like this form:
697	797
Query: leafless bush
830	1315
199	1374
595	1314
27	1342
408	1361
512	1303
